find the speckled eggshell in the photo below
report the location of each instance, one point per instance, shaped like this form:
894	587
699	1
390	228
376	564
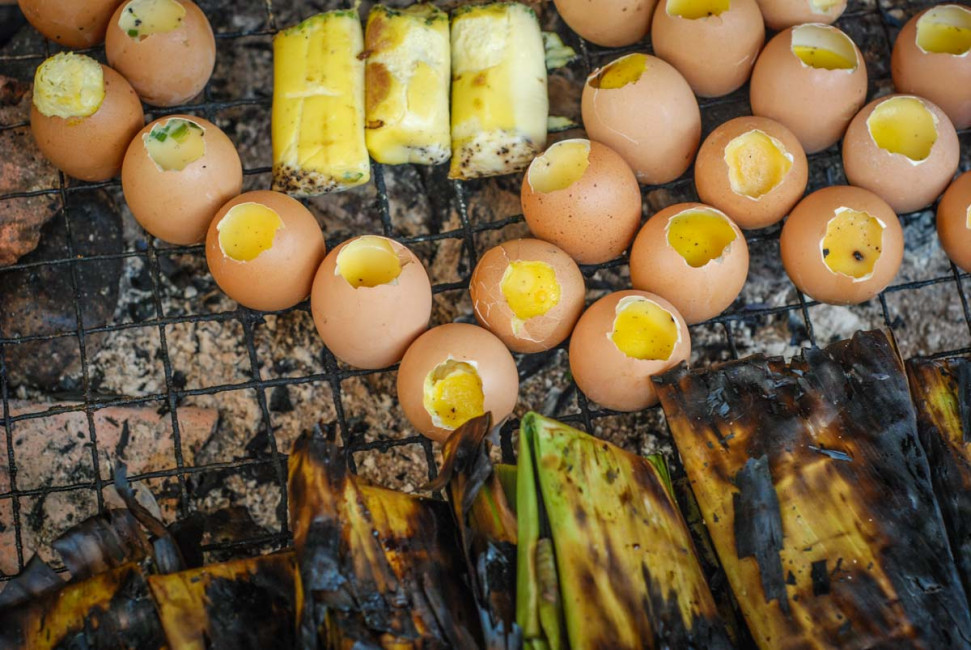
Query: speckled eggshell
952	222
71	23
780	14
604	373
610	23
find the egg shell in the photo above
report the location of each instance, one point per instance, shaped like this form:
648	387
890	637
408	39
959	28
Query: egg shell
723	48
713	181
905	185
604	373
610	23
952	222
177	206
596	217
92	148
279	277
371	327
494	313
787	90
71	23
942	78
805	229
165	69
654	123
780	14
698	293
461	342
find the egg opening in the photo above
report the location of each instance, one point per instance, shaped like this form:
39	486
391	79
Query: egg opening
903	125
693	9
247	230
852	243
757	163
945	30
967	222
821	47
822	6
142	18
69	85
368	261
617	74
699	236
453	394
644	330
175	144
530	289
562	165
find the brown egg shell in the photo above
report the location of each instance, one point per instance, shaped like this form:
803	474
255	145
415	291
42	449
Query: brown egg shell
905	185
281	276
165	69
714	185
92	148
698	293
942	78
804	230
723	47
607	23
494	313
604	373
371	327
71	23
177	206
595	218
461	342
653	123
787	90
952	222
780	14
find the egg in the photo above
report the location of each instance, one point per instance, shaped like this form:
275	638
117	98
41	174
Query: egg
694	256
842	245
583	197
83	116
902	148
178	171
812	79
610	23
527	292
371	298
725	37
165	48
780	14
263	249
931	59
71	23
753	169
642	108
623	340
954	222
453	373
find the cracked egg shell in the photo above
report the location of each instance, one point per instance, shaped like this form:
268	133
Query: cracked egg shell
780	14
694	256
371	298
623	340
527	292
71	23
263	249
842	245
954	222
608	23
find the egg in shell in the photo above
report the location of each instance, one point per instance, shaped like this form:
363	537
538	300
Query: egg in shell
71	23
842	245
371	298
902	148
623	340
780	14
954	222
609	23
453	373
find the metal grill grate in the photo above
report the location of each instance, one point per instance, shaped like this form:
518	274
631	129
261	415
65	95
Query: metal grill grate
825	169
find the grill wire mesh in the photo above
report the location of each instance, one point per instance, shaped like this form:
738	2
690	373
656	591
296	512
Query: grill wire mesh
888	15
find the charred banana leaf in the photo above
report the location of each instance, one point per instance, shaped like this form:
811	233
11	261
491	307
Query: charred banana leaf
817	495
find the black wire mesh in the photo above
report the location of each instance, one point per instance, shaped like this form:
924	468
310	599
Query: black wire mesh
872	24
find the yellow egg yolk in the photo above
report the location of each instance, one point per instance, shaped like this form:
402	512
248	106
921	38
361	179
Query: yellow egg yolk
625	70
141	18
699	235
368	261
903	125
69	85
530	288
852	244
825	48
945	30
174	144
693	9
247	230
561	166
453	394
757	163
644	330
822	6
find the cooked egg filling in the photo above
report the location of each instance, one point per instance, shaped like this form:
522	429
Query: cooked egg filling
625	70
699	236
141	18
945	30
561	166
903	125
247	230
821	47
822	6
692	9
453	394
757	163
174	144
644	330
530	288
69	85
852	243
967	223
368	261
